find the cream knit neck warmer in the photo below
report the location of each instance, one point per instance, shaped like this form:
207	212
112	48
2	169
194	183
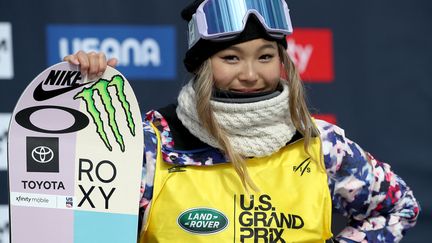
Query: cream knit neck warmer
254	129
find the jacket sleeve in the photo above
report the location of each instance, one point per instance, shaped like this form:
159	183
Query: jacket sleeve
148	169
149	161
379	206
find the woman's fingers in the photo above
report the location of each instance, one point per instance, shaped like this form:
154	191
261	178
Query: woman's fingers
71	59
92	64
112	62
84	62
102	64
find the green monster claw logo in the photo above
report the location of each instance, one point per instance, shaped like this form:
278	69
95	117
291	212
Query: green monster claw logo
101	88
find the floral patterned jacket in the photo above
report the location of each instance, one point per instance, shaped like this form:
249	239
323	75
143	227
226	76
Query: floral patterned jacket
379	206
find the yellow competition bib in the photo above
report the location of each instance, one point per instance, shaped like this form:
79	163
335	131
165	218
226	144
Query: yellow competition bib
209	203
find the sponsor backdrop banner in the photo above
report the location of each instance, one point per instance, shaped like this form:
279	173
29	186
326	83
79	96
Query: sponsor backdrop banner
366	65
144	52
6	56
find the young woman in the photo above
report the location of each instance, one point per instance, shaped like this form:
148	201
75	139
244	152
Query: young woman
239	158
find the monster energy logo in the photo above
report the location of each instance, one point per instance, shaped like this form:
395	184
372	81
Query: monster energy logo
101	88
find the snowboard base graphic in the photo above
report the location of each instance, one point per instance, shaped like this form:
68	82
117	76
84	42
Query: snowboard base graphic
75	152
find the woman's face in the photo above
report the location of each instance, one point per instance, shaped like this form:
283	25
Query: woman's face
252	66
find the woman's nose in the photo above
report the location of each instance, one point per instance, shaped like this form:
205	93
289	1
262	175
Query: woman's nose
248	73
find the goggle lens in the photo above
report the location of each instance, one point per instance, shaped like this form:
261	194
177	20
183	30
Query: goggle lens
228	15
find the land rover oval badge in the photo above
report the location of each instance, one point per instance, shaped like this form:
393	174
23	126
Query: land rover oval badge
202	221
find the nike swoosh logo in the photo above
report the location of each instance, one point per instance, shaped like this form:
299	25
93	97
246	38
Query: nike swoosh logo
40	94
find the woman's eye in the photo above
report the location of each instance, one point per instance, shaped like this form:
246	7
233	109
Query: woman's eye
230	58
266	57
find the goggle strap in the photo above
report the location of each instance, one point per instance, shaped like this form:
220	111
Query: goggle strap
193	32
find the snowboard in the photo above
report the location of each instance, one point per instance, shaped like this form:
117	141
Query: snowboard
75	150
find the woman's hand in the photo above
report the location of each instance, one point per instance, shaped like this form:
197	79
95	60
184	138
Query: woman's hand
93	64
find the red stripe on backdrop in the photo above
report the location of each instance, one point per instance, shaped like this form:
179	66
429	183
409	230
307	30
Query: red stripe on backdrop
326	117
312	51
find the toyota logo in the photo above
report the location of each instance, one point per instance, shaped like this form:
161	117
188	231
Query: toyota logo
42	154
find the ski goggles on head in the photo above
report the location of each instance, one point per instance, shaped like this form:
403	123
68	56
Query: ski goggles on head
224	19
